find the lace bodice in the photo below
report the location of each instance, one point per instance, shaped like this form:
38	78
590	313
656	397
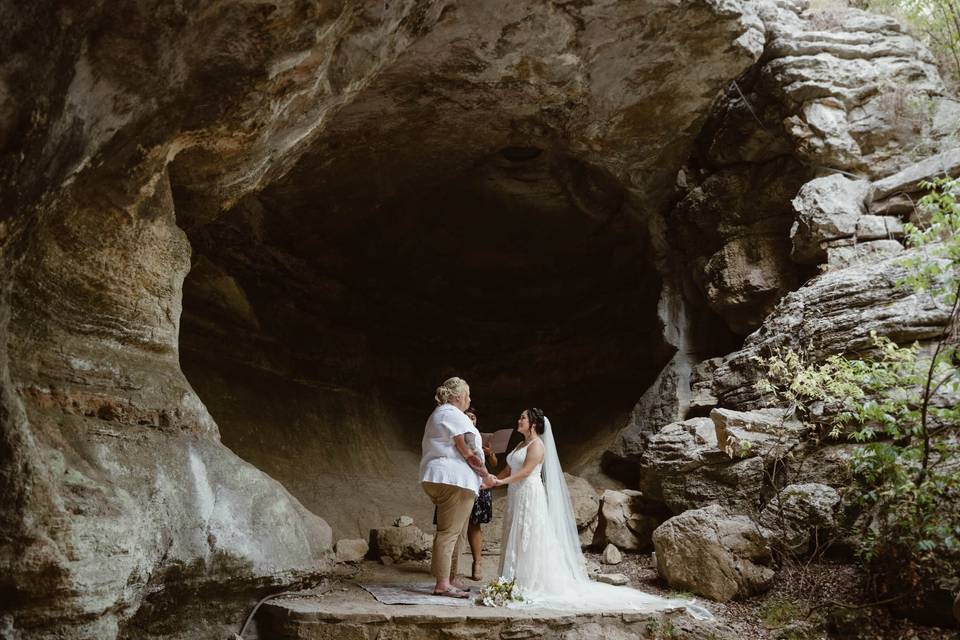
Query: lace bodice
515	461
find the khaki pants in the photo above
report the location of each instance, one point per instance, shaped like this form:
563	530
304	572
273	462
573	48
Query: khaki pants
454	505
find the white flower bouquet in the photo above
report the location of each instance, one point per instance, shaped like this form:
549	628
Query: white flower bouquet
499	593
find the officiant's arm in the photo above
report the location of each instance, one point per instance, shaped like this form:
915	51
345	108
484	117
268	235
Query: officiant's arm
472	459
534	457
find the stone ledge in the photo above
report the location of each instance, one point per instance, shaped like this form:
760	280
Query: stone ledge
352	613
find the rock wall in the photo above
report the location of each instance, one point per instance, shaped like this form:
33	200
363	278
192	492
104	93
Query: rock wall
236	139
124	127
838	97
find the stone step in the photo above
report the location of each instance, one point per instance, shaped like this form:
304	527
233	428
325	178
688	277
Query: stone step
348	617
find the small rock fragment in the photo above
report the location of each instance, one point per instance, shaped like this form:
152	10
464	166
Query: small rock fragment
611	555
351	549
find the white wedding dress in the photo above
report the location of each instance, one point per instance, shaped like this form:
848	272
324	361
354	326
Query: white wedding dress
540	547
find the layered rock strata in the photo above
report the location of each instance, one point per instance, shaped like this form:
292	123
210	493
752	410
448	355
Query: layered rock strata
823	134
124	126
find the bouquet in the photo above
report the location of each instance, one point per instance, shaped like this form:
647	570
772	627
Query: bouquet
499	593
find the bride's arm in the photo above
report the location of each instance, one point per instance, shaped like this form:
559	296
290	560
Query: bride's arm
534	457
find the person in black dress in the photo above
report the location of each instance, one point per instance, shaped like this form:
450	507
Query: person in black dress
482	509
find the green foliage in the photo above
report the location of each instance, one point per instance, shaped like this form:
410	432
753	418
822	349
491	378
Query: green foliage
937	22
899	402
661	630
775	614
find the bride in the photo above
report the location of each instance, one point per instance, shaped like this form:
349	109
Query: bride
540	547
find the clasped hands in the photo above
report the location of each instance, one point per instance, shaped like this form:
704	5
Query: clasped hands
490	480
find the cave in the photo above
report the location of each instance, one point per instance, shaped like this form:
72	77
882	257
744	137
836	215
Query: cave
320	314
243	243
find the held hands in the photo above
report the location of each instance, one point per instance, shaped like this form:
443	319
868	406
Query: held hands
490	481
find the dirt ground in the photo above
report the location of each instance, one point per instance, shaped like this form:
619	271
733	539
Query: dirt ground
780	613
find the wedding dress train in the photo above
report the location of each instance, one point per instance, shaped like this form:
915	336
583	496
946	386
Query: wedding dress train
540	547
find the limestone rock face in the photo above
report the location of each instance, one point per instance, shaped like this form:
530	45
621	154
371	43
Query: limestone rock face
723	459
713	553
835	89
768	433
907	180
121	128
801	514
225	145
834	313
400	543
847	77
828	464
735	222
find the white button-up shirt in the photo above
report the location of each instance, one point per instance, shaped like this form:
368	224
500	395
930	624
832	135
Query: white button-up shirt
441	461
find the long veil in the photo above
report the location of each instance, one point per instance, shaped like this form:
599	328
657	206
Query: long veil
560	510
573	588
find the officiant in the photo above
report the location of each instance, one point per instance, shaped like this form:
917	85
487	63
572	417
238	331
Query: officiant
482	508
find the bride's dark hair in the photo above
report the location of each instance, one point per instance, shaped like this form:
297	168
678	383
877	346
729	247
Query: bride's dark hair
535	416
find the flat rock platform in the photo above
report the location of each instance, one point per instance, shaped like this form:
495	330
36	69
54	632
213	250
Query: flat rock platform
348	612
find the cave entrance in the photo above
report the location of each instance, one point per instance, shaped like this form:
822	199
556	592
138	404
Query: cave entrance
321	313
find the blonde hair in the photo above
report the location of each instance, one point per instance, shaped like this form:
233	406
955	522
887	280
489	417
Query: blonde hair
451	388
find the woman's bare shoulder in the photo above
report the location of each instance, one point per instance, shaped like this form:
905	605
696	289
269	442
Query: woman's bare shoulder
535	448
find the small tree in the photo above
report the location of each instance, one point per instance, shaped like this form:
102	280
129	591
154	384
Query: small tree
900	403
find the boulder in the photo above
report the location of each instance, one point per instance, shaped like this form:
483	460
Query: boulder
736	484
683	469
351	549
400	543
403	521
586	507
676	448
611	555
801	514
714	553
827	209
621	522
